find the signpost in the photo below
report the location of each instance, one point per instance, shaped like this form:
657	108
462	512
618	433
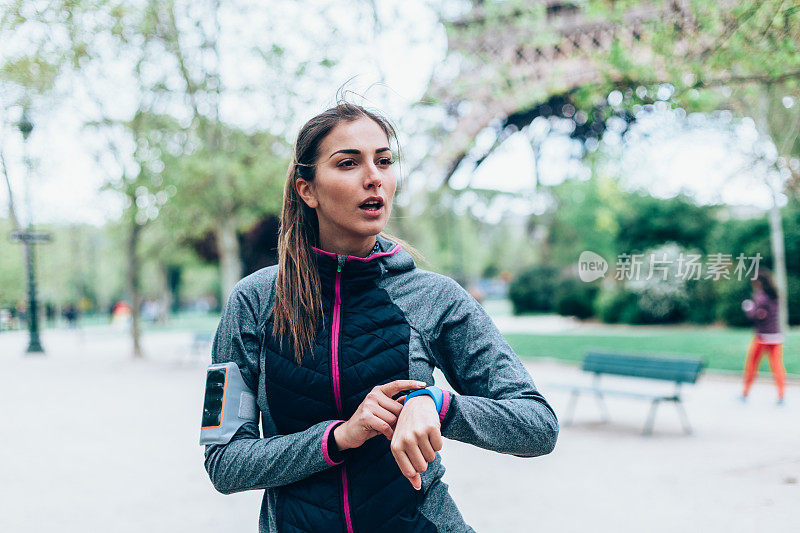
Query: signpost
30	236
28	239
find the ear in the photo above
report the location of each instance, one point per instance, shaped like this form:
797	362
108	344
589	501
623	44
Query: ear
306	191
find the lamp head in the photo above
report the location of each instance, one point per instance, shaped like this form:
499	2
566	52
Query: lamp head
25	125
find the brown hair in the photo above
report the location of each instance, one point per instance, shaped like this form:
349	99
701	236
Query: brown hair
298	302
767	283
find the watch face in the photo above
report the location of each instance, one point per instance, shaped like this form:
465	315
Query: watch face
214	397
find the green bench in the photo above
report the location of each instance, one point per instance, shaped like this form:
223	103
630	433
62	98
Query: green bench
677	370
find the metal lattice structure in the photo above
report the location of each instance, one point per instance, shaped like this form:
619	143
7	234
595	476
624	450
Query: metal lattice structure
499	65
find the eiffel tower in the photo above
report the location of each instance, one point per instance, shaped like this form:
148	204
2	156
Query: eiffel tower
490	74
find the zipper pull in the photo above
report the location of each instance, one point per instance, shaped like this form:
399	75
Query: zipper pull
340	260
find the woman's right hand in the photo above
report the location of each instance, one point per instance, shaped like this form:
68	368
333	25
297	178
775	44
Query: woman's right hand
377	414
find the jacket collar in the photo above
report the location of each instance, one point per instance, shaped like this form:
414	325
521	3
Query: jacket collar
389	256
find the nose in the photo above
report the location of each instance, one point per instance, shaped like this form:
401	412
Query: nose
373	176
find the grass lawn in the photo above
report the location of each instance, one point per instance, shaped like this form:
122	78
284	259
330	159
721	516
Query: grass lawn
721	348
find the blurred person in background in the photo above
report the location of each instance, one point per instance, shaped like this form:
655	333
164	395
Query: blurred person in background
337	344
70	313
762	310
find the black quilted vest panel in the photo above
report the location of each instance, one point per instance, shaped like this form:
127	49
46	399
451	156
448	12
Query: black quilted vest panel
372	349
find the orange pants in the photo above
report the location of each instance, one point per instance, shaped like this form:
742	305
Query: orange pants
754	355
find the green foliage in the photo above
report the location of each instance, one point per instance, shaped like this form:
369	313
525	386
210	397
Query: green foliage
30	74
791	227
617	305
584	217
729	307
574	297
748	236
544	289
81	263
794	298
703	299
12	268
534	290
708	43
641	224
649	221
240	175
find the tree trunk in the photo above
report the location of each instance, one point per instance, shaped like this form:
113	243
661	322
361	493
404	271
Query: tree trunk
12	212
779	263
165	302
775	219
230	261
133	284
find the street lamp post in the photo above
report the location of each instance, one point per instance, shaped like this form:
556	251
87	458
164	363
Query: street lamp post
28	239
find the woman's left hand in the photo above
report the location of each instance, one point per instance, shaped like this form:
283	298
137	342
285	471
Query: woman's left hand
417	437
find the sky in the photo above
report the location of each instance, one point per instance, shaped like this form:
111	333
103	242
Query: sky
671	158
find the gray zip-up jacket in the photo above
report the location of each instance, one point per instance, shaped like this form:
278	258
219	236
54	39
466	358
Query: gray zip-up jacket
494	403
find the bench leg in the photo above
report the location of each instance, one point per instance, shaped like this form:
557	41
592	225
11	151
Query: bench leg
684	419
602	405
651	417
573	399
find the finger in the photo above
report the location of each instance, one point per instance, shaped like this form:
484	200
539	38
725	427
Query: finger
404	464
384	414
402	399
426	449
393	387
390	405
436	440
415	456
379	425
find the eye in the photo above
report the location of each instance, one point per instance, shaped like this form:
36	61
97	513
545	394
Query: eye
342	163
385	161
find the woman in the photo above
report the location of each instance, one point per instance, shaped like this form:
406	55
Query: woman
328	339
763	311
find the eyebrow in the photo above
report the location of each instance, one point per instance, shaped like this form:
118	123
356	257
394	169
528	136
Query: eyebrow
354	151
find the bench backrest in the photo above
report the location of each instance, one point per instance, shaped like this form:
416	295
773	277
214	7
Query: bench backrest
680	370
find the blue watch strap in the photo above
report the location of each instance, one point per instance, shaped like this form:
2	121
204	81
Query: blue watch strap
432	391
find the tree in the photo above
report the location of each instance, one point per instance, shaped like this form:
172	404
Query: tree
171	145
703	51
227	178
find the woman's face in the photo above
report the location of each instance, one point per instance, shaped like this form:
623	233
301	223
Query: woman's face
354	163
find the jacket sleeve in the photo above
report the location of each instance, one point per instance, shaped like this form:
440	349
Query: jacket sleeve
760	310
248	461
497	406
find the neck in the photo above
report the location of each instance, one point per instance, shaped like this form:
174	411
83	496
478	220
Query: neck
361	249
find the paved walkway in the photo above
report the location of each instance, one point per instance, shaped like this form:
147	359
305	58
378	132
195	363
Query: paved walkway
94	441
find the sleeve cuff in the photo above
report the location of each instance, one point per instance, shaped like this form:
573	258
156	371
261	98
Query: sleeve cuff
330	452
445	405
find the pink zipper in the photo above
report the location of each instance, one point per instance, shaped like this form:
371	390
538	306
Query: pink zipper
346	501
337	395
337	309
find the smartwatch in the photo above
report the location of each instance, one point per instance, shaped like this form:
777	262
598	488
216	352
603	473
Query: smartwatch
432	391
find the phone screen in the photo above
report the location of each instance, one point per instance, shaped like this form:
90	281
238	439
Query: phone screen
215	393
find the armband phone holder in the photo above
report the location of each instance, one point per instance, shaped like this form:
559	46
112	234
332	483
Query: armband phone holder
227	405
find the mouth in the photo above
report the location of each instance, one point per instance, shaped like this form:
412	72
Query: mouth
374	204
